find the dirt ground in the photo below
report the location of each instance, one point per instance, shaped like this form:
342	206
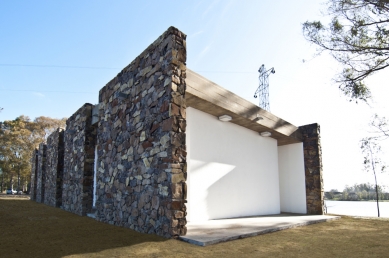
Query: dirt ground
30	229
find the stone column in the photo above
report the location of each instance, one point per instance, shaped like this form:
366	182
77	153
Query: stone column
313	169
41	173
141	141
34	176
79	142
54	168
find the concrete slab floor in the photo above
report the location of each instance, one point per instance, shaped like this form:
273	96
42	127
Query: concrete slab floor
221	230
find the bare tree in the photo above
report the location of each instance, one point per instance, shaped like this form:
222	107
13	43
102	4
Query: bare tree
380	126
372	161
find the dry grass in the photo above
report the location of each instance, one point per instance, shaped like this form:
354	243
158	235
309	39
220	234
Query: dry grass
29	229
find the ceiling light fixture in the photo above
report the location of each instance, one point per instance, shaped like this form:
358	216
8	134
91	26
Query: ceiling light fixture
225	118
265	134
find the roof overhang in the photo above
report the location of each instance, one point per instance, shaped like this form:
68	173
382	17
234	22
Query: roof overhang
207	96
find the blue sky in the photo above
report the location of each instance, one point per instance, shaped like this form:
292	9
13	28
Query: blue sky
56	55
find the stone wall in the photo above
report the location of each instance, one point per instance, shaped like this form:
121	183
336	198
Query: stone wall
141	141
313	168
41	173
54	168
34	176
79	142
141	166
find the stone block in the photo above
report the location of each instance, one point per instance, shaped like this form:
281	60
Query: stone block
177	191
177	178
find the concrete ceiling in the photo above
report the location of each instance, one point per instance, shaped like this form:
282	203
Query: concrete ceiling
207	96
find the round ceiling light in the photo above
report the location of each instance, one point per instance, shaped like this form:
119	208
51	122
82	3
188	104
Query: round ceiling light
265	134
225	118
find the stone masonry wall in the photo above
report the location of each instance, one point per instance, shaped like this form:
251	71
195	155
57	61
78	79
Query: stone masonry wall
54	168
79	142
141	141
313	169
41	173
34	177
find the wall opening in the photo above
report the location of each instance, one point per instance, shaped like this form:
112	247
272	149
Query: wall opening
35	174
94	179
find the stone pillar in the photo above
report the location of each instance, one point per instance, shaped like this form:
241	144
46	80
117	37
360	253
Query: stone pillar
54	168
79	142
34	176
313	169
41	173
141	141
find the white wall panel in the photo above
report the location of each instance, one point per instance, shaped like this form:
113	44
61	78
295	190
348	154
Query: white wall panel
232	171
292	178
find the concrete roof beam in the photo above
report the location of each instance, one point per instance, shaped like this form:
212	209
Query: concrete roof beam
211	98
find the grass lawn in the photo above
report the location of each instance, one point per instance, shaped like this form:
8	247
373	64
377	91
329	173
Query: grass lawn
30	229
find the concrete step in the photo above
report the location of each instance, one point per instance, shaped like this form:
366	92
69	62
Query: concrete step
222	230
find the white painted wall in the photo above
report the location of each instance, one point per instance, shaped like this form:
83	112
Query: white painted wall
292	178
232	171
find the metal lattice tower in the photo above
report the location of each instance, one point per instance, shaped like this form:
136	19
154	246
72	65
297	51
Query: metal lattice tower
263	89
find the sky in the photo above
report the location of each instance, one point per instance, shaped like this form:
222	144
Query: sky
56	55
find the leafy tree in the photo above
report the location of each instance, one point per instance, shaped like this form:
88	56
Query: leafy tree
344	195
18	139
47	125
364	191
331	194
364	195
15	143
372	161
358	38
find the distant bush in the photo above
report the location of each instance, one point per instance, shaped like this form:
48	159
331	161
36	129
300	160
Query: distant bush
357	192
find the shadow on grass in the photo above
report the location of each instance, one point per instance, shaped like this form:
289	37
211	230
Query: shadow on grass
30	229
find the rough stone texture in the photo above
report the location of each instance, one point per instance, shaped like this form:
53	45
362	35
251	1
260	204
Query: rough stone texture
141	141
54	168
313	169
34	176
41	173
79	141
